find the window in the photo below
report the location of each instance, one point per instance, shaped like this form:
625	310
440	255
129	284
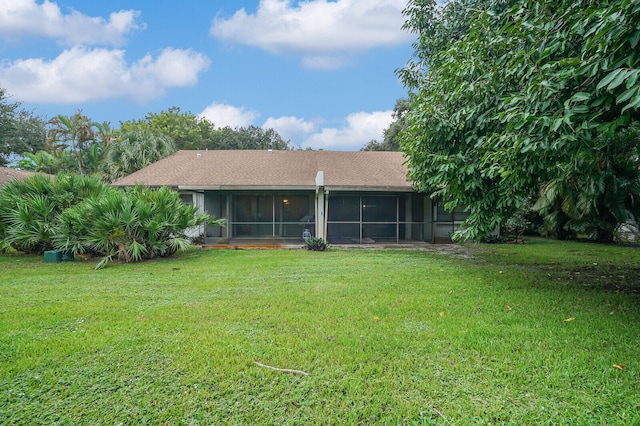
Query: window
186	199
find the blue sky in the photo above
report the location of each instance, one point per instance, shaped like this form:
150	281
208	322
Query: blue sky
319	72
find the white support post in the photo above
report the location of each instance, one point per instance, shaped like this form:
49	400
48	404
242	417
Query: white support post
320	203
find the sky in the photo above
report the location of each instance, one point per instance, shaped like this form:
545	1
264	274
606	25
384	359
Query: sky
319	72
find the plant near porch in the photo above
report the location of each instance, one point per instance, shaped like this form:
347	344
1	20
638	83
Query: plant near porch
316	244
131	225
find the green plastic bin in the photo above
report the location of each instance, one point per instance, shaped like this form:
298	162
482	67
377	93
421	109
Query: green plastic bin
53	256
58	256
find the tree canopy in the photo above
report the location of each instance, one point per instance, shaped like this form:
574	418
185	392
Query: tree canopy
508	96
78	144
20	131
134	150
189	131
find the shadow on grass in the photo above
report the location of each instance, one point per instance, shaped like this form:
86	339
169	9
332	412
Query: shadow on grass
609	278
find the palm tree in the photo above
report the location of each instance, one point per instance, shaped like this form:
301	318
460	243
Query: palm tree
596	193
105	133
74	132
135	150
42	162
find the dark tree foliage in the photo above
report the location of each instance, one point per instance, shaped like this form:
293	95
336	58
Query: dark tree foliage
251	137
510	96
20	131
189	131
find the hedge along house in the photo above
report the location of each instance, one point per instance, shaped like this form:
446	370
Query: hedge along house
279	196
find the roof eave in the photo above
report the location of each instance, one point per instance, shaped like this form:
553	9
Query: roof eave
247	187
365	188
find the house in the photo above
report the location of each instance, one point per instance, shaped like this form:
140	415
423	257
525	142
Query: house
7	175
343	197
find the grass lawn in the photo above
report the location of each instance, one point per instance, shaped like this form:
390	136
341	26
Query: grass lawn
541	333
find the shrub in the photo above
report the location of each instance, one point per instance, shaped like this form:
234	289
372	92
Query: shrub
316	244
129	225
29	208
82	214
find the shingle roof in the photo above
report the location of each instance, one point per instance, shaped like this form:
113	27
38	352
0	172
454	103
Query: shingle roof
261	169
8	174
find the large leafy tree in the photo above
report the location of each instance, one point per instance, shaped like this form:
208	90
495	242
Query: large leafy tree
596	192
511	95
20	131
187	130
251	137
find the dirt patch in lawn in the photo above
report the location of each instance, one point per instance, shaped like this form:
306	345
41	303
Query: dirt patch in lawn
625	279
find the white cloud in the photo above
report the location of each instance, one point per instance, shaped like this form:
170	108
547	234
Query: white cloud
290	128
359	129
80	74
24	18
320	31
223	115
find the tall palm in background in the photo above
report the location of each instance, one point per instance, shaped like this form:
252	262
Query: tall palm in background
135	150
75	133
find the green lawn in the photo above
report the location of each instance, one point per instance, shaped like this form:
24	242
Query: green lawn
542	333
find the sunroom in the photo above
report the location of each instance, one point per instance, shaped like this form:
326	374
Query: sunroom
281	197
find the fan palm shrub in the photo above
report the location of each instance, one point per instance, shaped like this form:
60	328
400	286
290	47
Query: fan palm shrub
82	214
129	225
316	244
29	208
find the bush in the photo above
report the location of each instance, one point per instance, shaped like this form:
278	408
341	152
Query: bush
29	208
82	214
131	225
316	244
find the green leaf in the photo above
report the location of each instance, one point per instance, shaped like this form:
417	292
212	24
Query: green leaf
605	82
634	39
632	78
635	102
618	80
581	96
625	96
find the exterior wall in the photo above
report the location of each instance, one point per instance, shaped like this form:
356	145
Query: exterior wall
197	199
